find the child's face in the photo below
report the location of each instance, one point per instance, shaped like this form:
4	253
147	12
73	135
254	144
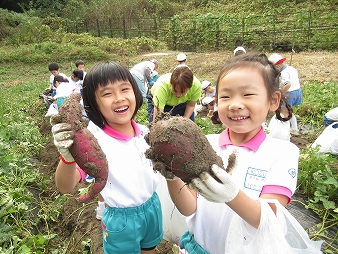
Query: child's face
81	67
243	102
209	88
76	79
55	72
117	103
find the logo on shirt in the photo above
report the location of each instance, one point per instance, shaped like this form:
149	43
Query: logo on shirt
292	172
255	178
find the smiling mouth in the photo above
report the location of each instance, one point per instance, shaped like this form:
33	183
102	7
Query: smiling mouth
119	110
239	118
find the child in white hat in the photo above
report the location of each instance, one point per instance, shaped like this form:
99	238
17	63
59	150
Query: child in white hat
290	86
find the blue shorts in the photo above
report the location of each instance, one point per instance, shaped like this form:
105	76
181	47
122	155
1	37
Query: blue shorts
188	243
294	97
128	230
327	122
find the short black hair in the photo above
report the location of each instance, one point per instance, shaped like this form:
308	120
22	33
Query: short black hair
78	74
60	78
79	62
100	74
53	67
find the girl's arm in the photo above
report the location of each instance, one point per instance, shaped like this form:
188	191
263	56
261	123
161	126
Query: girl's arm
184	198
228	192
66	177
250	210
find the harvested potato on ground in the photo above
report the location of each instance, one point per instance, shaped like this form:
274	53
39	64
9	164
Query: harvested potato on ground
85	149
179	145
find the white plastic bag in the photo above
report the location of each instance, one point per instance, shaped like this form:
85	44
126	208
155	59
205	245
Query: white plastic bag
174	223
52	110
328	140
276	234
279	129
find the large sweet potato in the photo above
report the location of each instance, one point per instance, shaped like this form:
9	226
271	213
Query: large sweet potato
179	144
85	150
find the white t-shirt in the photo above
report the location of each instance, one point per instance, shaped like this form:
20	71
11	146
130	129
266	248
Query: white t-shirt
274	163
51	78
131	178
290	75
64	89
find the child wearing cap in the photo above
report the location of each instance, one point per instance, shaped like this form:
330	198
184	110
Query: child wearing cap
209	103
290	86
181	59
208	91
239	51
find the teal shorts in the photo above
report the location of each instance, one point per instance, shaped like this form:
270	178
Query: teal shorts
188	243
128	230
59	101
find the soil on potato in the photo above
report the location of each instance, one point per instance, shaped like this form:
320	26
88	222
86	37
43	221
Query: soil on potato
77	222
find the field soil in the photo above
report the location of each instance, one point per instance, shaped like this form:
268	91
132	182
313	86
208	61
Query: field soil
77	223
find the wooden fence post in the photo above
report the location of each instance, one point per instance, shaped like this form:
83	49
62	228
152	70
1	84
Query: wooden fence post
124	28
110	28
98	28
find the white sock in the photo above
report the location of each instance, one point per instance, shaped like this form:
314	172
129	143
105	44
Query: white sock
294	124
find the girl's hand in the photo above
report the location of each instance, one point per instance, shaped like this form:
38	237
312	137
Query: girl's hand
63	139
213	190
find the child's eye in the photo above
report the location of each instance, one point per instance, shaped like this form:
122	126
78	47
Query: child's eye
248	94
224	97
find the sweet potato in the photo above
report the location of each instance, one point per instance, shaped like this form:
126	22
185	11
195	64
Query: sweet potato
85	150
179	144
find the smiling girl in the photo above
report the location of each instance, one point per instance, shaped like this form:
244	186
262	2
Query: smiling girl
132	220
266	168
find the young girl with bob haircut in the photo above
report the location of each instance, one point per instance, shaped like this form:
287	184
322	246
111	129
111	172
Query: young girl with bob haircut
226	216
132	220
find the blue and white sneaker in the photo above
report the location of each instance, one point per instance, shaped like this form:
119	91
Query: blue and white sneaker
89	179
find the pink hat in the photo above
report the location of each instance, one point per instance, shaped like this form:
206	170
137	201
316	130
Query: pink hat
276	59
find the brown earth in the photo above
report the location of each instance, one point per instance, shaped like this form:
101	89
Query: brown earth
77	223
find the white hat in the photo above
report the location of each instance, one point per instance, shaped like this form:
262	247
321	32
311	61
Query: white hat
181	57
154	61
205	84
276	59
207	100
239	48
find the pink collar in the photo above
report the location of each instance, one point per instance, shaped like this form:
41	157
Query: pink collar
119	135
252	144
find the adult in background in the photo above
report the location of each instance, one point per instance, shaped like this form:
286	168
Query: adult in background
175	92
143	73
290	86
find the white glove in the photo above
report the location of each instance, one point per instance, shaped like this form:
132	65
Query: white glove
63	139
213	190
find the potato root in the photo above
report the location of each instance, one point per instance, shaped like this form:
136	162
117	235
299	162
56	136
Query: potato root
179	144
85	149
